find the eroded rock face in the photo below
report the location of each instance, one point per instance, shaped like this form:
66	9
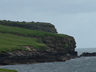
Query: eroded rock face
59	44
27	57
60	49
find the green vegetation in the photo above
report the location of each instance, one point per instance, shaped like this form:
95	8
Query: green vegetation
41	26
9	42
7	70
28	32
19	44
15	38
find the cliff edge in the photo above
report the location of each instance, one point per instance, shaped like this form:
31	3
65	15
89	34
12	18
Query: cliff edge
40	26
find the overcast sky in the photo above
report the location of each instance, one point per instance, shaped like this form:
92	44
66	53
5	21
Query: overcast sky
76	18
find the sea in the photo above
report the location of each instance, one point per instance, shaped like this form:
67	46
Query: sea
82	64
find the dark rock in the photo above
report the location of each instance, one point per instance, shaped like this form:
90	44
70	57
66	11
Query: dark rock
88	54
60	49
25	57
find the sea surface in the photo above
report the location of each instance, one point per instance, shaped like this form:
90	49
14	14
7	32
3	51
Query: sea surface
83	64
81	50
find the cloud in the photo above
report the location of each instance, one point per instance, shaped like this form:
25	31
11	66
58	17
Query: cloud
59	6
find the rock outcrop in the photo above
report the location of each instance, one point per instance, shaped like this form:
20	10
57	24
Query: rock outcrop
88	54
60	49
27	57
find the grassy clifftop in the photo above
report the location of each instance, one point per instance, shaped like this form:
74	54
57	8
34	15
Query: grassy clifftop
12	38
41	26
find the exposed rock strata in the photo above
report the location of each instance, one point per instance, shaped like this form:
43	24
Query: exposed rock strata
27	57
60	49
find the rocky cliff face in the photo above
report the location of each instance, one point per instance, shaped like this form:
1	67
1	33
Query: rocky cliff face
60	44
60	49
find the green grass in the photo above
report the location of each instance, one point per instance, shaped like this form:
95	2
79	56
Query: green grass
7	70
27	32
9	42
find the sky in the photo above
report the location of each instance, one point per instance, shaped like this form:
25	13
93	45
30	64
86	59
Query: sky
75	18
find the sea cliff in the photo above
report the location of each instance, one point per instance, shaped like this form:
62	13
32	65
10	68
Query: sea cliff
44	46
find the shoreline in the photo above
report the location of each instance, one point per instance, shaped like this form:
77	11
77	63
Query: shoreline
30	60
39	62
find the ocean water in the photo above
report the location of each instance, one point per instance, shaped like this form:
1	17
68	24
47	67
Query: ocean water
81	50
83	64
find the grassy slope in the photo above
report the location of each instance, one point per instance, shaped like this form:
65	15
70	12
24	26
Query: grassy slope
9	41
27	32
7	70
